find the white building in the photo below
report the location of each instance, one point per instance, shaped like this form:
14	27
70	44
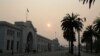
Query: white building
17	37
22	37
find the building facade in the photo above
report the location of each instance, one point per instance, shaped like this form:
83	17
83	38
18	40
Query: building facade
29	36
9	37
22	37
43	44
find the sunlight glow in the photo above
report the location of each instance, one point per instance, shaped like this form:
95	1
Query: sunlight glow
49	25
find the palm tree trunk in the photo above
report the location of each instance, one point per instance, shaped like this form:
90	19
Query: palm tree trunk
71	46
91	45
86	47
79	44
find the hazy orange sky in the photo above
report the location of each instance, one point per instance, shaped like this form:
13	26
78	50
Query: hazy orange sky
42	12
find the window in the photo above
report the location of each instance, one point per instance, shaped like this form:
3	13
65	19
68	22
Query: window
18	34
12	44
8	41
10	33
17	45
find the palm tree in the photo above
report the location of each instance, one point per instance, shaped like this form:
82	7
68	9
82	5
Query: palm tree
70	24
85	39
68	36
97	25
96	45
88	36
88	1
97	30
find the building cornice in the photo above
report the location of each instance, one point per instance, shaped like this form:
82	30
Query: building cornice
4	23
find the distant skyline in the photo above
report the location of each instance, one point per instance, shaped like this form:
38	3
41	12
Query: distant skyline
44	13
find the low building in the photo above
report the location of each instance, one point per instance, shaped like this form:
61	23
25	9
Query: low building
55	44
43	44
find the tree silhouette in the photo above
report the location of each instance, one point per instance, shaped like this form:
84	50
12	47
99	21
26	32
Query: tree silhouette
92	30
71	24
88	36
88	1
97	25
96	45
69	36
97	30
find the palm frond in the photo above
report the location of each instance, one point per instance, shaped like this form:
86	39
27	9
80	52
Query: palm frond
70	23
97	24
88	1
88	34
